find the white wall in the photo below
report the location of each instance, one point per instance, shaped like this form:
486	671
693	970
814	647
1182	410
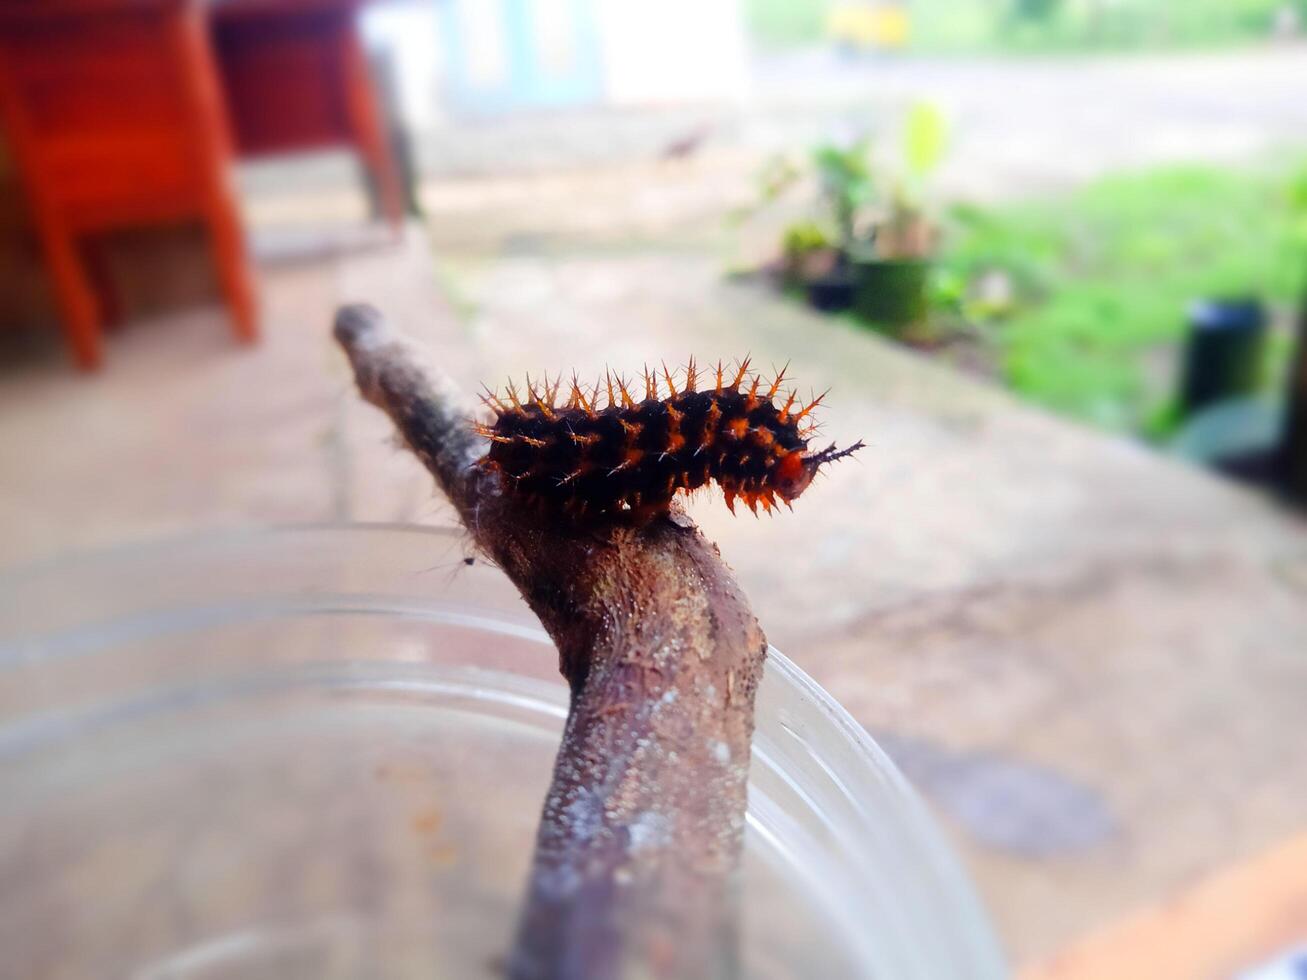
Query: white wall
655	52
666	51
409	28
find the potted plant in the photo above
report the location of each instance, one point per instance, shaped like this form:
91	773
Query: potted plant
845	176
892	273
807	253
849	257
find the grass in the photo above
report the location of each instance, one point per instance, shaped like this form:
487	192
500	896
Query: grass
1046	25
978	25
785	23
1099	281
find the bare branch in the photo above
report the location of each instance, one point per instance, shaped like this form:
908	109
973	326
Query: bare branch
636	862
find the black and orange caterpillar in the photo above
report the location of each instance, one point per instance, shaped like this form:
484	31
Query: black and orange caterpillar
633	456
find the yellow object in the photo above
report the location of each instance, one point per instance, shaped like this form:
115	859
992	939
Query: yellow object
891	27
866	25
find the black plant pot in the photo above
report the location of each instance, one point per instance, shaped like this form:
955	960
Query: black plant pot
891	292
832	293
1226	339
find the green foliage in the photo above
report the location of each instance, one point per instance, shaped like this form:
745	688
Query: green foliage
1053	25
1036	10
1101	280
778	174
846	181
850	184
1296	199
803	238
784	23
1038	25
925	136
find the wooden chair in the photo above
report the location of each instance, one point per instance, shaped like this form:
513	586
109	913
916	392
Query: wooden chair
295	77
115	117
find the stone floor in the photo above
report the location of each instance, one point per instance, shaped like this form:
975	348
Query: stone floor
1089	658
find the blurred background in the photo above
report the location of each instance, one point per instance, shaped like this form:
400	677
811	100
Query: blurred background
1049	255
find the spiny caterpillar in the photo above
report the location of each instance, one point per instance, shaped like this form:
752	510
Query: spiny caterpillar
633	456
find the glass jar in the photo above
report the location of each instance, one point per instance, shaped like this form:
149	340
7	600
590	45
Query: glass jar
321	752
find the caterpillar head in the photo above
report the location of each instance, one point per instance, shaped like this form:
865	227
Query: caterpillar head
796	471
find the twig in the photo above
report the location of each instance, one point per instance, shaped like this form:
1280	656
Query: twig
635	868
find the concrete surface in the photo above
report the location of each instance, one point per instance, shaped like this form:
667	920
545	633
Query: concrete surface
1089	658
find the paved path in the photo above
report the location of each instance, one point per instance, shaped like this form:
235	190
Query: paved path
1019	125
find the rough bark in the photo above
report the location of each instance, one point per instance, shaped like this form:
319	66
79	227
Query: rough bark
636	861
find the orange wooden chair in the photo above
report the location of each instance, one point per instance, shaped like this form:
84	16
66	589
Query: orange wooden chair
295	77
115	117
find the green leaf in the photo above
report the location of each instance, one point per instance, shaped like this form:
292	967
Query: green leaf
925	137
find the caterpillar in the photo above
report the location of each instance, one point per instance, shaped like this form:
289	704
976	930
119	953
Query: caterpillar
590	460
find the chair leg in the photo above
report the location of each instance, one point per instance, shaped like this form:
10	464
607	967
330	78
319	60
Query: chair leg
231	259
95	256
76	298
369	131
226	234
213	141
